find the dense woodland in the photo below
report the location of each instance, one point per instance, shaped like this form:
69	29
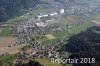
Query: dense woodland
12	8
85	45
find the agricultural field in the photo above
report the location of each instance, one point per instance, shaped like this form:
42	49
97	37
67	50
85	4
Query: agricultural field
5	32
60	34
12	50
39	38
50	38
78	28
6	41
0	30
74	29
8	58
67	20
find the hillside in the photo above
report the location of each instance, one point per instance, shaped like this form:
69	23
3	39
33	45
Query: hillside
12	8
85	45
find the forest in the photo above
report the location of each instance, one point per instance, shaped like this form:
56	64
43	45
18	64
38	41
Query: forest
13	8
85	45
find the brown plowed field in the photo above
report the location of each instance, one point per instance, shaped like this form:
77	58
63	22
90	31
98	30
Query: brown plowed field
6	41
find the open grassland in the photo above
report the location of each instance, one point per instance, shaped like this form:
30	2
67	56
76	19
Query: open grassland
60	34
40	38
44	39
5	32
67	20
42	10
78	28
0	30
54	41
8	58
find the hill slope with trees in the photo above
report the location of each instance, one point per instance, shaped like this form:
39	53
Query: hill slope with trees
85	45
11	8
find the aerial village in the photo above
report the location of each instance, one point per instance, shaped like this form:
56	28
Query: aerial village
41	24
44	24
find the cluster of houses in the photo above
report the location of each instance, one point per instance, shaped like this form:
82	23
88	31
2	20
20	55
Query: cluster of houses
40	50
83	8
43	24
25	30
2	53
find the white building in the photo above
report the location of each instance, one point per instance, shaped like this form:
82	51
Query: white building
40	16
52	14
62	11
41	24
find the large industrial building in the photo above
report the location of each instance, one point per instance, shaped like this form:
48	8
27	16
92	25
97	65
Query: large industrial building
62	11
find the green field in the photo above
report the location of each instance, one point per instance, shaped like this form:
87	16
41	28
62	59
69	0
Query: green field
8	59
0	30
78	28
60	34
69	20
44	39
40	38
5	32
57	35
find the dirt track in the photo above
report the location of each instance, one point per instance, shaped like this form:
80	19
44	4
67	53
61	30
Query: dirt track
96	22
49	36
